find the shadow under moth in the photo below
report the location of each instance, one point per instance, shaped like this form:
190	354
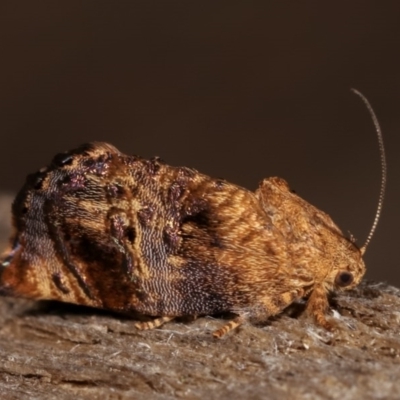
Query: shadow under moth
104	229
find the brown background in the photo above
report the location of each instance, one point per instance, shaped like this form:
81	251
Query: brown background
240	90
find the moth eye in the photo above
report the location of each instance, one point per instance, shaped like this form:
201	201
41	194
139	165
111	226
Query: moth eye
344	279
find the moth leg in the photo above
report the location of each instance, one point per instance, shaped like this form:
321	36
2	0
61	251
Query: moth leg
318	305
234	323
276	304
271	306
153	324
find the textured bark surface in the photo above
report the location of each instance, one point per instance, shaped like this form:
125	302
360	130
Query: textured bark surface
53	350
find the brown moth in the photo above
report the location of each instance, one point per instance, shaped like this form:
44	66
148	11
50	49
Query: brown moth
103	229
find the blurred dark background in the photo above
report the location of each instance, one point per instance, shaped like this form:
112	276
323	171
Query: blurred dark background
239	90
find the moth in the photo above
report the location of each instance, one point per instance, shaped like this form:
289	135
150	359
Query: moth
103	229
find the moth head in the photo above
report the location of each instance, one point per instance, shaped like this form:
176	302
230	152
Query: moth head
348	267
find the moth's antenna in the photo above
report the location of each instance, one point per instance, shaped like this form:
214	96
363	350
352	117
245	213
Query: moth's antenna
383	168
